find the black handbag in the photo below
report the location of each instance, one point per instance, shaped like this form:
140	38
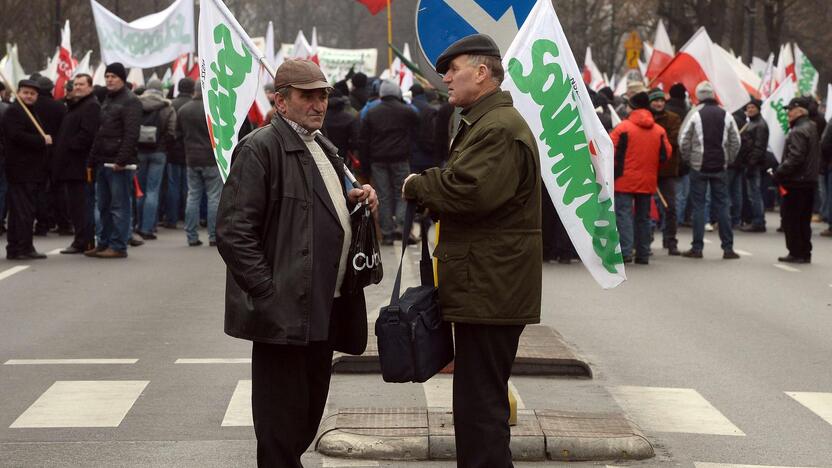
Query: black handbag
364	259
414	343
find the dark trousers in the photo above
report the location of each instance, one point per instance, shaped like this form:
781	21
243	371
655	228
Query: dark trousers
289	386
22	199
482	367
667	187
72	199
796	212
556	242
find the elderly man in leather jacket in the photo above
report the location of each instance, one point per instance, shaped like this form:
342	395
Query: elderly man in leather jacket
754	144
283	229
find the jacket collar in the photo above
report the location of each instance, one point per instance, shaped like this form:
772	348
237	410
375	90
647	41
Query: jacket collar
291	140
483	105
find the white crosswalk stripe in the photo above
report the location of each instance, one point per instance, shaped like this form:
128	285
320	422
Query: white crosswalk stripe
41	362
731	465
439	392
54	252
213	361
82	403
238	412
12	271
786	268
673	410
818	403
744	253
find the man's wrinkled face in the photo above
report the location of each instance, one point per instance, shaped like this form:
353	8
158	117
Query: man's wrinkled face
796	113
306	107
752	110
28	95
113	82
464	81
81	88
658	105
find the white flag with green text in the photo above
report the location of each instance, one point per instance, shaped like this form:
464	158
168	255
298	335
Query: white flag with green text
230	77
576	153
776	115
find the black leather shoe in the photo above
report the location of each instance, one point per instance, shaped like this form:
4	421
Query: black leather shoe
642	261
673	251
730	255
692	253
71	250
35	255
146	235
133	242
792	259
195	243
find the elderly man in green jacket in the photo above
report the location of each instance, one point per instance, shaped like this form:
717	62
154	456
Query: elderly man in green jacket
487	199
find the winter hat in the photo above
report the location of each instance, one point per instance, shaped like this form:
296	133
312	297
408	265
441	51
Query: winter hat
45	84
154	85
640	101
417	89
388	88
755	102
186	86
656	94
705	90
359	80
118	70
678	91
636	86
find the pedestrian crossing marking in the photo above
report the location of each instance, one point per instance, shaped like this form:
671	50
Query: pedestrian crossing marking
54	252
440	388
731	465
213	361
12	271
673	410
816	402
82	403
706	241
744	253
238	412
36	362
329	462
786	268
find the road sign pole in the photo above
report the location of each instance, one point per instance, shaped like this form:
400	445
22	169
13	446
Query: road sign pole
389	36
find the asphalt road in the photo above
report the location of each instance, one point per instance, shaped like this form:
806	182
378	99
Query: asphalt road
719	362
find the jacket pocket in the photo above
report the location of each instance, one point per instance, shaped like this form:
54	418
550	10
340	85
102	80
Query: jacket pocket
454	275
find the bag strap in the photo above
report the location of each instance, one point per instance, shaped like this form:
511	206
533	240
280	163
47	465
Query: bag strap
410	213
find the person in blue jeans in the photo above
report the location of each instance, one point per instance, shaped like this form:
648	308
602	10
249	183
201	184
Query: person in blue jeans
112	190
158	132
709	143
753	150
203	174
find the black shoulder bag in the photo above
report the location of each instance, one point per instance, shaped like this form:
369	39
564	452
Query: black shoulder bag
414	343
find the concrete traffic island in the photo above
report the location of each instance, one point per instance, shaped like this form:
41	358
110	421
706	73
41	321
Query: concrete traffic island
542	351
427	434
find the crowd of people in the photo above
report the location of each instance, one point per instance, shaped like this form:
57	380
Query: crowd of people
111	165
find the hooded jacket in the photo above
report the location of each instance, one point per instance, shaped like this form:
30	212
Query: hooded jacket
709	140
117	139
801	156
640	146
153	101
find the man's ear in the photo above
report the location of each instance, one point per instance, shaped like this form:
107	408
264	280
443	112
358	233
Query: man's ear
482	73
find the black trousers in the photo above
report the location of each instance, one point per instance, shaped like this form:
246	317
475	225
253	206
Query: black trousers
21	200
71	198
482	367
289	386
796	213
667	186
556	242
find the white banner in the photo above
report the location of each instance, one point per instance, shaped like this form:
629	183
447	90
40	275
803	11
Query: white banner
576	153
150	41
336	63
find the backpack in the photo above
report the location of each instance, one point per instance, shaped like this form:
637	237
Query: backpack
151	130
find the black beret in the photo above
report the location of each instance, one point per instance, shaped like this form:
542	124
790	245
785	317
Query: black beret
476	44
28	84
799	102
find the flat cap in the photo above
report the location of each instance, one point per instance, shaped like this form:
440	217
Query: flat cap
28	84
300	74
475	44
799	102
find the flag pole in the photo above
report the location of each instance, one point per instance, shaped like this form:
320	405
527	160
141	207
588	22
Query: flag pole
13	88
389	35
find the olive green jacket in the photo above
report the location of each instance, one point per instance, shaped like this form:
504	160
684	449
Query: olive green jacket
488	201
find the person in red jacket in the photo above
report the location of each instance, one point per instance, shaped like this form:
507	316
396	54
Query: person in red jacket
640	146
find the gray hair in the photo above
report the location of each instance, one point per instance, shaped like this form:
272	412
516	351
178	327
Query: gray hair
493	64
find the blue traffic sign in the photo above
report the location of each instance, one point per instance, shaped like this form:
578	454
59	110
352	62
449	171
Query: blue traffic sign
440	23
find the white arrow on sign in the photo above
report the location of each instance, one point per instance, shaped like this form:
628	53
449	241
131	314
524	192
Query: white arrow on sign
502	30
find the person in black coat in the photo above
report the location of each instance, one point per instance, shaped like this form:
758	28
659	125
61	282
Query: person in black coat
341	126
753	147
51	114
69	163
25	171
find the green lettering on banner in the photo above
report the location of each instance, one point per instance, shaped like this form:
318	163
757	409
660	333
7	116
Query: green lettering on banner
139	44
230	72
563	133
782	114
806	79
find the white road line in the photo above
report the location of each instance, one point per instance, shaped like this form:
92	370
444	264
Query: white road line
673	410
12	271
54	252
818	403
82	403
36	362
238	412
439	391
744	253
347	463
786	268
707	241
731	465
213	361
